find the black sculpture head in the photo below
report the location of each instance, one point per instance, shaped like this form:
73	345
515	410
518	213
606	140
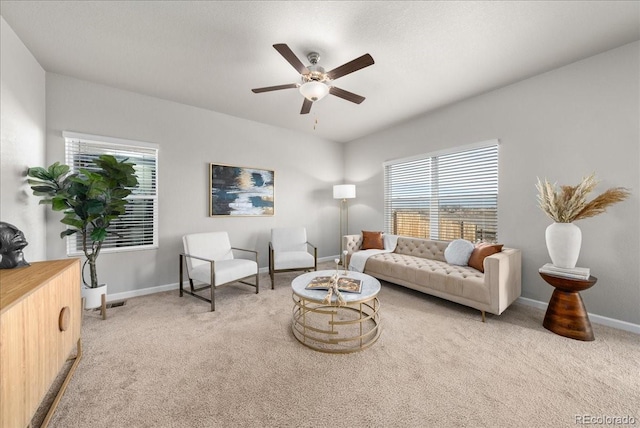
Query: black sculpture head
12	242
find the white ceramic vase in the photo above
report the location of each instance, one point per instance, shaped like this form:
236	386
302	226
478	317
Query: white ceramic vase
93	296
563	243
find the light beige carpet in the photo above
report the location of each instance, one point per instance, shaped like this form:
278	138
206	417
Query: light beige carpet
166	361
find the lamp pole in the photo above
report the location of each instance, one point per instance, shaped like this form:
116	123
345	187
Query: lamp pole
344	208
344	192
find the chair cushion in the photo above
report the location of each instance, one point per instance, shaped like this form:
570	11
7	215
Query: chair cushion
211	246
289	239
226	271
293	260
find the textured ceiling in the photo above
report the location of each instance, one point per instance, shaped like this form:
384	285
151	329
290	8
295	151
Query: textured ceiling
211	54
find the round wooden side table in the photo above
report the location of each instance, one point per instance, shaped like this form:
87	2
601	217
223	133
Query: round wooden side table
566	314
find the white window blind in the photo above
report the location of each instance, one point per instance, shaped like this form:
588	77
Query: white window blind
137	229
445	195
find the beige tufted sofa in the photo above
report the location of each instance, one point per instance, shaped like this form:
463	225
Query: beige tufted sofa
420	264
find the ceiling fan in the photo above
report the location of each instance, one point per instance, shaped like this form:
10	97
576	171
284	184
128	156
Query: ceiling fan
315	82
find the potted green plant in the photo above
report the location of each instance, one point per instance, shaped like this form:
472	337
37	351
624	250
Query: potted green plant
90	200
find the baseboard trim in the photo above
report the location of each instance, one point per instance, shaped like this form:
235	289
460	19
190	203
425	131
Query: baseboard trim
142	292
599	319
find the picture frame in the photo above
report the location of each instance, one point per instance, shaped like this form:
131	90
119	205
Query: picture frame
239	191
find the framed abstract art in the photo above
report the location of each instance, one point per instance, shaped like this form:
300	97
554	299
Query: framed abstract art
240	191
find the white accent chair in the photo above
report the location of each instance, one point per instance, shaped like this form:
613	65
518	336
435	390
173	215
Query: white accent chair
289	251
210	260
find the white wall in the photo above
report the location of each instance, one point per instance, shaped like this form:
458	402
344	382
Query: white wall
22	130
190	138
562	125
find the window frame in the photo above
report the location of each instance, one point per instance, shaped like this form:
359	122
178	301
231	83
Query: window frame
116	146
428	200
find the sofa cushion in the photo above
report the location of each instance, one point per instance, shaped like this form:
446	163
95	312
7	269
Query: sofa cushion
480	252
458	252
427	274
372	241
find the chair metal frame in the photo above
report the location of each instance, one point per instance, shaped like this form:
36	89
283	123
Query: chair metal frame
273	271
212	286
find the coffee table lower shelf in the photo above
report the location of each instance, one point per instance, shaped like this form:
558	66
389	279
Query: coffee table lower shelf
336	329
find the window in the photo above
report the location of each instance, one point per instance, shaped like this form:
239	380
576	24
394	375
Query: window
444	196
137	229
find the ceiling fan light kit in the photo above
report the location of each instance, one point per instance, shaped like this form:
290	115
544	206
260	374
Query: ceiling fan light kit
315	82
315	85
314	90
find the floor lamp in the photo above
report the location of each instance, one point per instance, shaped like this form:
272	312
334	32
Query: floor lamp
344	192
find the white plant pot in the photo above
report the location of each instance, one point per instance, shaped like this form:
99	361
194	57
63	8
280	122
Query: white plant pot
93	296
563	243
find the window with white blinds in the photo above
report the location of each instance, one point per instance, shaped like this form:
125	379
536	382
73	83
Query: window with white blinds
445	195
137	229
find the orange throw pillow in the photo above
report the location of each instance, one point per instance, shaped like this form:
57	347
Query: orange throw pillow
372	241
481	251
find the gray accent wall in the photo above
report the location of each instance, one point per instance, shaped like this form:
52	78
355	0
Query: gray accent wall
190	138
22	130
562	125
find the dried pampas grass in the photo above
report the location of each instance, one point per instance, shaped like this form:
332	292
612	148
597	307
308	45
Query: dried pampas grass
569	203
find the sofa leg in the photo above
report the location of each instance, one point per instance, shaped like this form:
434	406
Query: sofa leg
483	318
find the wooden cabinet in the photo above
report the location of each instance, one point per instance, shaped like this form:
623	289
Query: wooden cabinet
40	320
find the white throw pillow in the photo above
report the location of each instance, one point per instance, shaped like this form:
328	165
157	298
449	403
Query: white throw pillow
458	252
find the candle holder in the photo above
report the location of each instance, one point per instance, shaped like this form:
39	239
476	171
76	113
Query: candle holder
344	261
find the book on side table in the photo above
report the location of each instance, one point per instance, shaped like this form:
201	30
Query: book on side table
349	285
572	273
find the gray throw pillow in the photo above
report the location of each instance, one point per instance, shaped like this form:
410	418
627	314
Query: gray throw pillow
458	252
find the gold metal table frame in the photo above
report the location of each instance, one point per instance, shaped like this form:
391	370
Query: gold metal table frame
332	328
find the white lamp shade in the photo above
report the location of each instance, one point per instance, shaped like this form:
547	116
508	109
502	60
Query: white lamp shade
314	91
344	191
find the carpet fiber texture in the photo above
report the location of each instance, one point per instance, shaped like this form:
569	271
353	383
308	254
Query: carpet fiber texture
165	361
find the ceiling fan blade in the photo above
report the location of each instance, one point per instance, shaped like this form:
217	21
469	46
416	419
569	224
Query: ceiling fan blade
306	106
291	58
274	88
359	63
349	96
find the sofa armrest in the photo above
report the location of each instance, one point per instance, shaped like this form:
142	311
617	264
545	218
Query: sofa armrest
503	277
351	243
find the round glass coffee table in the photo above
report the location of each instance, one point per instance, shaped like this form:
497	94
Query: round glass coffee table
331	327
